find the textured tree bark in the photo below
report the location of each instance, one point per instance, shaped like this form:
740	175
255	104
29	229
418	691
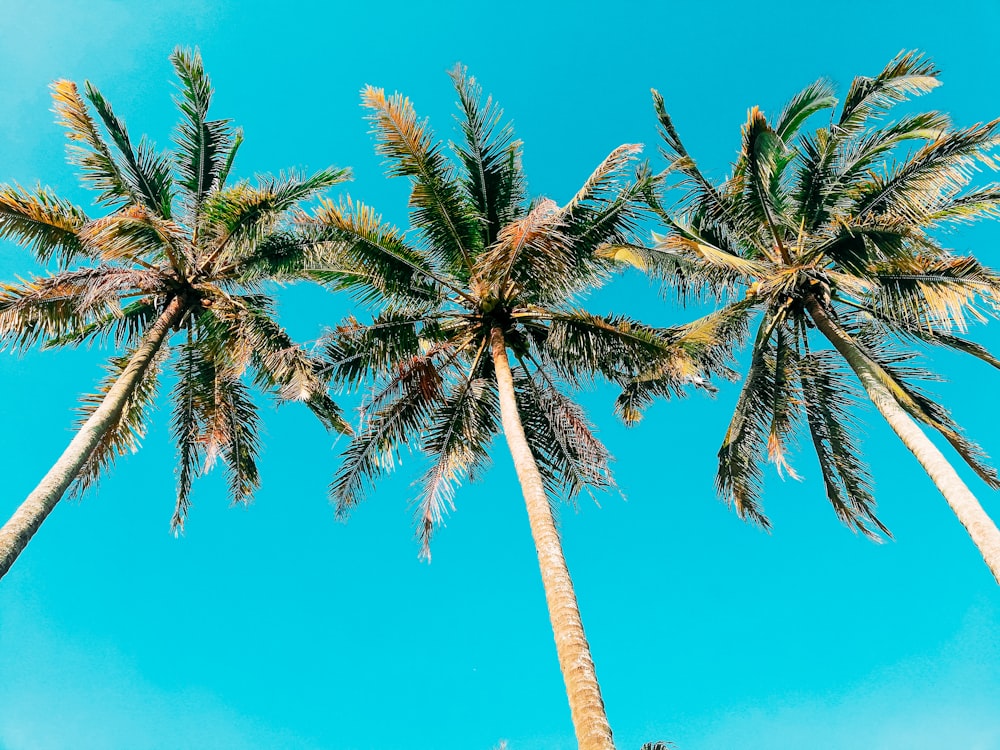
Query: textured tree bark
586	706
964	504
17	532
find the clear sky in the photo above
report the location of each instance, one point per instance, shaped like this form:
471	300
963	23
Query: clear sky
278	627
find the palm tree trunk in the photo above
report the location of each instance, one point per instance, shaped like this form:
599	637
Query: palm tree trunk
586	706
963	503
17	532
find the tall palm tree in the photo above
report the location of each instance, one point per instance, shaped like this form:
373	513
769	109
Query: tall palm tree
478	329
180	251
834	231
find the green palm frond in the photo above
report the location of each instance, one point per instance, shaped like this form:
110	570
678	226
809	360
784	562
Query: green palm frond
968	207
358	252
829	399
203	146
582	345
187	396
898	379
461	428
908	74
239	217
146	174
241	425
812	99
571	459
43	221
914	190
786	401
493	179
744	448
244	327
697	351
938	293
399	416
124	328
88	149
354	351
699	189
436	200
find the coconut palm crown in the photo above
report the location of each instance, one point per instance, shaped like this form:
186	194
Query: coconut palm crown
181	251
479	328
829	236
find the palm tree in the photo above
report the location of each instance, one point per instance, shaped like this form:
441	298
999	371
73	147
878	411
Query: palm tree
833	231
180	252
478	330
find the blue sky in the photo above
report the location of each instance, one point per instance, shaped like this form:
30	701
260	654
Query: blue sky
277	627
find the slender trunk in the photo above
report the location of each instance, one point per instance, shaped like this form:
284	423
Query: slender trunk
586	706
17	532
963	503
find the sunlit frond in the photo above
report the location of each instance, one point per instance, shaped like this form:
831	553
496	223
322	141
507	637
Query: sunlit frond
135	235
358	252
44	222
812	99
436	200
49	307
240	216
88	149
908	74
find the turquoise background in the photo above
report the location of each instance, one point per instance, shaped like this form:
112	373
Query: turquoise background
277	627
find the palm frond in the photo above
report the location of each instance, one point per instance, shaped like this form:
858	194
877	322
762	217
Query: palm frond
49	307
88	149
253	337
436	200
394	421
354	351
202	145
493	181
934	293
44	222
570	457
458	437
187	396
829	398
358	252
125	327
146	173
813	98
135	235
908	74
744	448
929	179
920	406
244	214
525	250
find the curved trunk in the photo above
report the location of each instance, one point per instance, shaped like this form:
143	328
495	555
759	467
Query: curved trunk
17	532
963	503
586	706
